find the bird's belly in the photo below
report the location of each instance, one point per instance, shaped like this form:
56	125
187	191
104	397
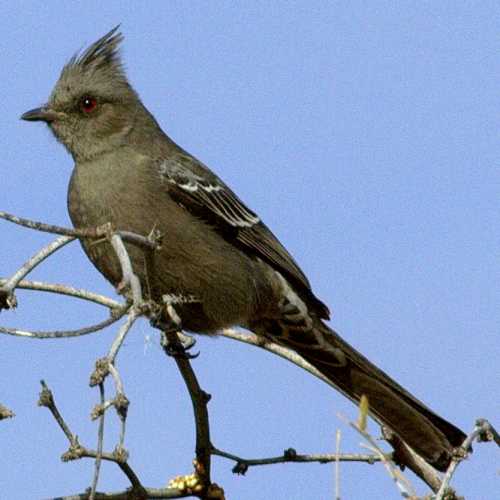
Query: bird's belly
194	261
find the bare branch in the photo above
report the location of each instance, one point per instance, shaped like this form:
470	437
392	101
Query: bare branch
292	356
60	289
100	441
77	451
56	334
404	455
7	299
152	241
482	428
337	464
47	399
129	277
290	455
132	316
405	487
199	399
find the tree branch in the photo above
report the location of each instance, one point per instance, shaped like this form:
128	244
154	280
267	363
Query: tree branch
482	428
290	455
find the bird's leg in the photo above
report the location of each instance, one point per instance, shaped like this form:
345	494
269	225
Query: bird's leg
173	340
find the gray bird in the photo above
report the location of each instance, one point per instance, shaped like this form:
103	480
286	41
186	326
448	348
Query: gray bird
218	260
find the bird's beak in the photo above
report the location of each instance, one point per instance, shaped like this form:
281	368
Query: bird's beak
43	114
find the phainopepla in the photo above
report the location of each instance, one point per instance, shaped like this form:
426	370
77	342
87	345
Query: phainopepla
218	260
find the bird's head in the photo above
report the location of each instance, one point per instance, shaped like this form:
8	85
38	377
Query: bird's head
92	106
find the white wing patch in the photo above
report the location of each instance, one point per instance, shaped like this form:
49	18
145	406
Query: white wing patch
209	192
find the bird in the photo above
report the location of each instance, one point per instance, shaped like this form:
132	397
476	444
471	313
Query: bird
218	262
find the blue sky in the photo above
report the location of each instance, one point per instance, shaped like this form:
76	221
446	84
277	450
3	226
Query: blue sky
365	135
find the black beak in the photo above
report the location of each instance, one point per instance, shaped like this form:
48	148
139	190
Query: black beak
40	115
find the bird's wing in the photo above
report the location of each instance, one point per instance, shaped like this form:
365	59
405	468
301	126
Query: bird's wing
194	186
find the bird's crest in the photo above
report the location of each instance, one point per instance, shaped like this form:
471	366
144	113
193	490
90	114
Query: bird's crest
102	54
97	69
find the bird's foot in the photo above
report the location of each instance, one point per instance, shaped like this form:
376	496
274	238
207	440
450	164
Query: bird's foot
178	345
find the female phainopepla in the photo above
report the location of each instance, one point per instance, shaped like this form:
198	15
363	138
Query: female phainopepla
218	260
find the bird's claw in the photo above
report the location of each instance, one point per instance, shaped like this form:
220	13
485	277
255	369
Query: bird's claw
178	350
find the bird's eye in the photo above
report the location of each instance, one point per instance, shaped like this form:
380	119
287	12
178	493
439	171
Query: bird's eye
88	104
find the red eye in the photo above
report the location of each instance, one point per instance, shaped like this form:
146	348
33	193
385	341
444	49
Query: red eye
88	104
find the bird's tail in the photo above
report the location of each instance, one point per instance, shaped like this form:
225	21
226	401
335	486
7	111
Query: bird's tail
432	437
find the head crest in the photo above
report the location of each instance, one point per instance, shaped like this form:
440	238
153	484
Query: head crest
102	54
97	70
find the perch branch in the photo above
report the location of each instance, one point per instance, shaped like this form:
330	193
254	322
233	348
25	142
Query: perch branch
56	334
60	289
199	399
152	242
481	429
290	455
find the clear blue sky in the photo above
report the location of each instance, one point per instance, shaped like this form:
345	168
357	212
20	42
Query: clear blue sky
365	134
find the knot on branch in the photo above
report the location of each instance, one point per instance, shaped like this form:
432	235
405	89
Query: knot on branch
487	433
100	373
290	454
241	468
46	398
74	452
121	404
5	412
120	454
7	299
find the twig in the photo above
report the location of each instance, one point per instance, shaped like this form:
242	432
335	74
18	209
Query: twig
482	427
152	242
6	291
47	399
404	486
100	440
199	399
252	339
290	455
404	455
129	277
49	228
76	450
57	334
60	289
337	464
132	316
121	403
153	493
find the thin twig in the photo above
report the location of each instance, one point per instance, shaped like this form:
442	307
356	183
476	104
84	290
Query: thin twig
153	493
76	450
60	289
129	277
337	464
290	455
404	486
288	354
100	441
49	228
7	289
199	399
121	403
403	454
482	426
150	242
57	334
47	399
133	314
